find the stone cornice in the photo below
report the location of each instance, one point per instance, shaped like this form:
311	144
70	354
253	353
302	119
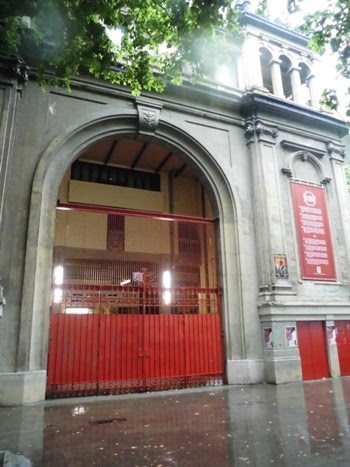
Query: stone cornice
273	28
292	146
255	103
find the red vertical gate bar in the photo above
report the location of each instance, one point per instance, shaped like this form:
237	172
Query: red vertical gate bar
218	334
76	328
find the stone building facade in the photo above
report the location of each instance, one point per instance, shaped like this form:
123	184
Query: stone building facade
269	162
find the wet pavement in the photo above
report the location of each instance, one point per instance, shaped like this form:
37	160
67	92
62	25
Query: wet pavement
287	425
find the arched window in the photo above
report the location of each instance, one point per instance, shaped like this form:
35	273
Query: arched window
286	65
265	63
305	75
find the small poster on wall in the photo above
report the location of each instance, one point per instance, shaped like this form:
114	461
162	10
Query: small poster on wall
331	335
290	334
281	268
268	338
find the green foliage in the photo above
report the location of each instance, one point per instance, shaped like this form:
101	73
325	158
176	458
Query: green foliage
262	7
329	98
71	37
10	37
347	174
332	27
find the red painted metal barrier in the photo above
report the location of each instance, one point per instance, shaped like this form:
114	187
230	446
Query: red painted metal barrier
313	349
133	339
343	344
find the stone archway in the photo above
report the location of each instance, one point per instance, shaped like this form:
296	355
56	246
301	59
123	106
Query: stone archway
32	352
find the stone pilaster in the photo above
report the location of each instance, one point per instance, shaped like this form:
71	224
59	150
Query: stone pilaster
336	153
268	212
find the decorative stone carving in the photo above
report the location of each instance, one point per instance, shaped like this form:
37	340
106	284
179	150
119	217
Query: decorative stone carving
258	129
287	172
335	151
148	116
15	67
249	129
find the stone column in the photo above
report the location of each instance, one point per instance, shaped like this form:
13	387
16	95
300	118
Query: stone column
314	95
296	85
276	76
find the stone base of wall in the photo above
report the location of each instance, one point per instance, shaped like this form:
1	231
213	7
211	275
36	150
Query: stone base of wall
282	370
22	387
245	371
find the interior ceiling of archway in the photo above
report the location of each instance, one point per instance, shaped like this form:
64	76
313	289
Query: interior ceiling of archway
138	155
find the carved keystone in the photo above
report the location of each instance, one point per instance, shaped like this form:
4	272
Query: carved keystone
148	112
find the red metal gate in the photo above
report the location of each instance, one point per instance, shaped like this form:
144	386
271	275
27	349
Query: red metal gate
313	350
343	344
116	339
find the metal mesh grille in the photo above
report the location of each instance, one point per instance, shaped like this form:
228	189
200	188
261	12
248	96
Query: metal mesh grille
105	272
108	249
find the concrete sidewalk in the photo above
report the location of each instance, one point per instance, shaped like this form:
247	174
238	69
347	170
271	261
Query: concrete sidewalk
288	425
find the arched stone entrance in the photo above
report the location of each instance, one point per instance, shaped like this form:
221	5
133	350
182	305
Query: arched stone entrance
32	354
136	296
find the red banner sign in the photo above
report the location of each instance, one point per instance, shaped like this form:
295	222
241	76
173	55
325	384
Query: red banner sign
315	246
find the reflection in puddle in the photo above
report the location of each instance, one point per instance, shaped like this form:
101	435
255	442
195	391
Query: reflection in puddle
287	425
78	411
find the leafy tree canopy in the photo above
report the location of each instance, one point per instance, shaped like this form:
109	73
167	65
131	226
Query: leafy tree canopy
332	27
70	37
73	36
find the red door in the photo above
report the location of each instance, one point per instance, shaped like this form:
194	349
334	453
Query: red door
343	343
313	349
138	347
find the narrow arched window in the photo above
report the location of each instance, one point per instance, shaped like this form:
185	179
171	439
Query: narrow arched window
265	63
286	66
305	75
